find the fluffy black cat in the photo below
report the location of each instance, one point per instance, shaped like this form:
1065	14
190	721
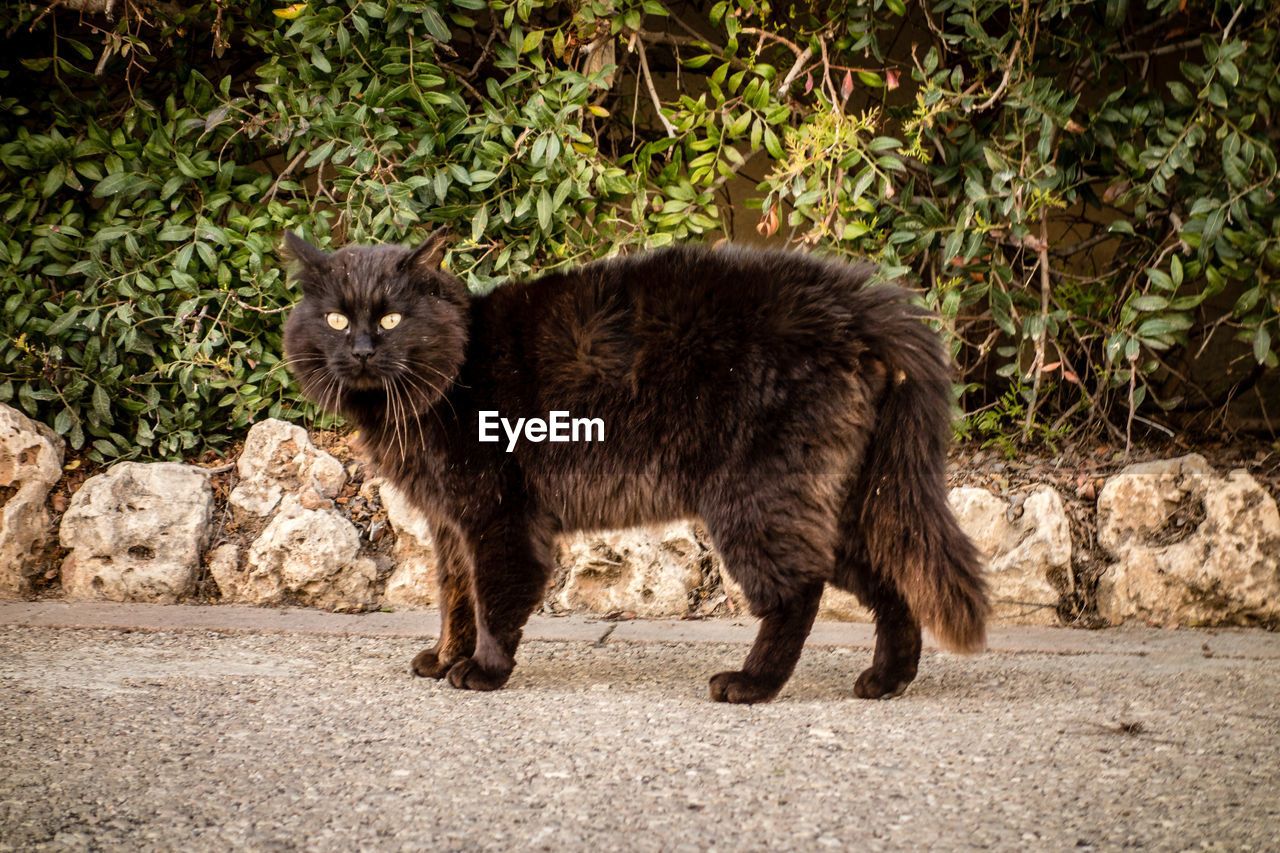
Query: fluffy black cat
802	415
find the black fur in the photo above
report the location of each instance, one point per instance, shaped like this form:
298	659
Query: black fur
802	415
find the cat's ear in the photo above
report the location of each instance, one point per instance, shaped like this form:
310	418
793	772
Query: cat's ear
430	255
298	249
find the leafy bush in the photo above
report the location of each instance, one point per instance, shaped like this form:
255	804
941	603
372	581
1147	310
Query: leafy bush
1085	191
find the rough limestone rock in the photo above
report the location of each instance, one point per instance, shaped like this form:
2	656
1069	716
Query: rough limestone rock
304	556
136	532
841	606
1191	547
1026	542
223	563
30	466
278	459
412	584
650	571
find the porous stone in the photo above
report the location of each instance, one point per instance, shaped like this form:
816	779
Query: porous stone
279	459
223	563
303	556
649	571
30	465
412	583
1026	543
136	532
1191	546
840	606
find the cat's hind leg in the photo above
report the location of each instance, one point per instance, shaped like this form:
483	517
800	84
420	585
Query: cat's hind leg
897	653
457	615
780	562
784	627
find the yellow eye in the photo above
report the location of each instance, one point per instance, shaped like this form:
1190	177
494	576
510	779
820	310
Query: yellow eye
336	320
390	321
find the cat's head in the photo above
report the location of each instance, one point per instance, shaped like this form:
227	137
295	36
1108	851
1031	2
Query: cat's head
378	326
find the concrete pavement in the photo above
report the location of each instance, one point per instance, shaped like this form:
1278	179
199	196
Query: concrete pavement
135	727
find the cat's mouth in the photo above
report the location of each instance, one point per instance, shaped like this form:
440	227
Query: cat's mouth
363	379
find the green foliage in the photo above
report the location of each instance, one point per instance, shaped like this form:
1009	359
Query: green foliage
1085	191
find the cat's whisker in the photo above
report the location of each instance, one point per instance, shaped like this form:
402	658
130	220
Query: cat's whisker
414	383
417	420
434	407
401	424
441	393
449	380
397	417
391	405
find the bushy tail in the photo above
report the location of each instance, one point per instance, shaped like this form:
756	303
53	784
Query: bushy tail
911	535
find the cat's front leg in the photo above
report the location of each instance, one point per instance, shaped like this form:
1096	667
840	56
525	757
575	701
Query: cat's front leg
510	574
457	615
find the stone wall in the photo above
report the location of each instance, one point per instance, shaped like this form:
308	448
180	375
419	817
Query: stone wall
1177	542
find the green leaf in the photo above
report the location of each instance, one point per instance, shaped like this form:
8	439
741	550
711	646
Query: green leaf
102	405
1261	343
1149	303
64	322
1161	279
319	60
545	209
438	28
771	144
53	180
1001	310
117	182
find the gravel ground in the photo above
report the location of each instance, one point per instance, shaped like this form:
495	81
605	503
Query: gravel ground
205	740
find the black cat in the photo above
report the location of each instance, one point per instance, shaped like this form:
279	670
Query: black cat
801	415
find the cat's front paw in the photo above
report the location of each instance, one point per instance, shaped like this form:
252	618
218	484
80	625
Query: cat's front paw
878	685
741	688
427	664
466	674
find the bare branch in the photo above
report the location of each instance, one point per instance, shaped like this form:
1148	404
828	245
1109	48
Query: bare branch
653	93
801	59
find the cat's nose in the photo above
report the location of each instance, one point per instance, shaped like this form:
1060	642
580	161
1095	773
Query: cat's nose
362	347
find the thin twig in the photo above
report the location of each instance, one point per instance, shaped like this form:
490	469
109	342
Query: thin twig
801	59
653	93
1077	248
484	52
255	308
1231	23
694	41
828	86
461	77
1038	365
275	185
1158	51
755	31
1128	424
1004	81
